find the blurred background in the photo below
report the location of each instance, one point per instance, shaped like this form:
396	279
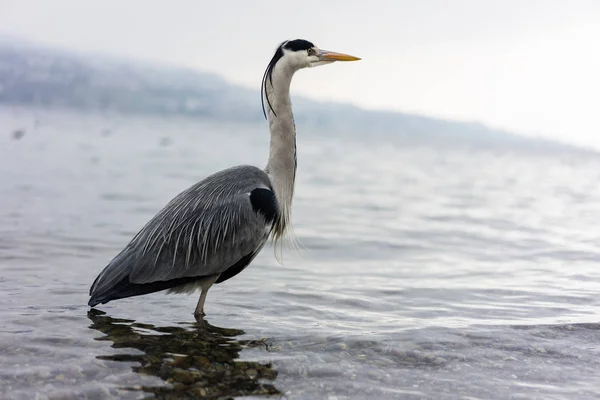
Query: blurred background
526	67
447	198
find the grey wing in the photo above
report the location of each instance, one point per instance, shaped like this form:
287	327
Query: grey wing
202	232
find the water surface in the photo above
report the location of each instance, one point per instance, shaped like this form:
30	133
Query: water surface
427	272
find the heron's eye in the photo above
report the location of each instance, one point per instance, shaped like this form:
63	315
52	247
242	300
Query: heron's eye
310	52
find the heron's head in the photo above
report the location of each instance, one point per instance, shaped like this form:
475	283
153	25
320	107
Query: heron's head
296	54
300	53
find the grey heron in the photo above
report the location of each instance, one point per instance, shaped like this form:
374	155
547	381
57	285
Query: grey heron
210	232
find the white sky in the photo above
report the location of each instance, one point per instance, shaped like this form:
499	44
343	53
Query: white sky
531	66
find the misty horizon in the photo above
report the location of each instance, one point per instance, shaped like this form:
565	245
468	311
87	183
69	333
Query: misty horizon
520	67
37	75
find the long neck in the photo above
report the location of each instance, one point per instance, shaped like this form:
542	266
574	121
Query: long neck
282	155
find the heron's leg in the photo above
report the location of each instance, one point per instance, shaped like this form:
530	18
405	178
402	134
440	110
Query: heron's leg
200	307
205	286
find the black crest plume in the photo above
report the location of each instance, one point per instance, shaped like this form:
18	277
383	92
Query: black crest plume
293	45
268	75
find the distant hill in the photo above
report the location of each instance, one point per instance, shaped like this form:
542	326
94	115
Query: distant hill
43	77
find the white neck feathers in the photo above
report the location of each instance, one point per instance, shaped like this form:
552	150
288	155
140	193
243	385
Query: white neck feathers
281	167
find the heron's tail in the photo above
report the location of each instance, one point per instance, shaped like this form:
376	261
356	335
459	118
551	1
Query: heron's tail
111	281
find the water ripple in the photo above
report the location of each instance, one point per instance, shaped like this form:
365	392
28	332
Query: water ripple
426	272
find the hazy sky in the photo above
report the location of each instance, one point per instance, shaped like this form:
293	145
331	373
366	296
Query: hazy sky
532	66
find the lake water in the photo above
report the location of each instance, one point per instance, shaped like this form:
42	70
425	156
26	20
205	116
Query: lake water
427	272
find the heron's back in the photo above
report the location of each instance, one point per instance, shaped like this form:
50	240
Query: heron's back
214	225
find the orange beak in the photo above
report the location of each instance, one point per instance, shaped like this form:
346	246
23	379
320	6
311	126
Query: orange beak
325	55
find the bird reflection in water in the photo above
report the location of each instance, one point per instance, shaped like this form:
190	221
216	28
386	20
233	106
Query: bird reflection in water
196	361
